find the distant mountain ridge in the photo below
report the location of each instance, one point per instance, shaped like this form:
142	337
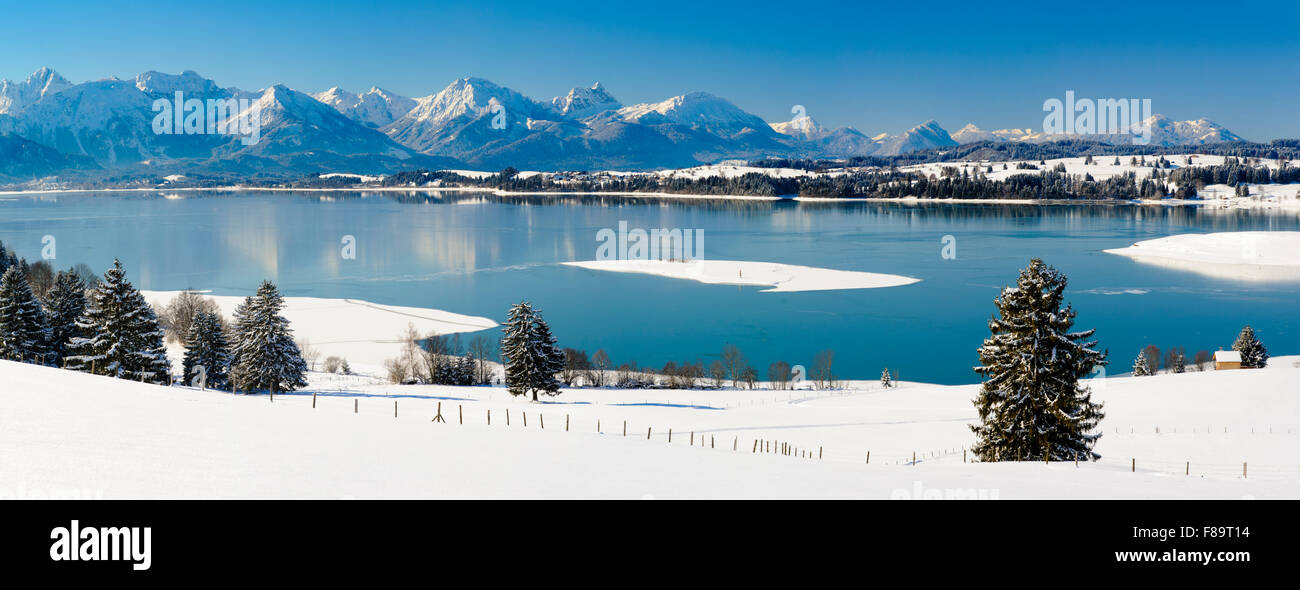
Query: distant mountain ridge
105	125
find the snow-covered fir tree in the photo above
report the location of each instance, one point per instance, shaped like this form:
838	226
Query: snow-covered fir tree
1031	404
1253	353
1141	368
122	336
65	303
24	334
532	358
205	346
884	378
265	356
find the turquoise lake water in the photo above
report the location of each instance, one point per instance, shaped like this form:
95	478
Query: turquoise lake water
477	255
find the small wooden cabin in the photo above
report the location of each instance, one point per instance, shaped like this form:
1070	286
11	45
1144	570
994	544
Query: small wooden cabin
1225	360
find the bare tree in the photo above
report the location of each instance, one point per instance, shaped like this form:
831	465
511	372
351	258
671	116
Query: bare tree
481	348
309	353
734	362
1202	359
749	376
717	373
823	369
178	314
599	365
575	365
410	358
779	374
1152	354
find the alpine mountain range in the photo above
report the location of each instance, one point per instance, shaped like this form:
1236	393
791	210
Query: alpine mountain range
53	130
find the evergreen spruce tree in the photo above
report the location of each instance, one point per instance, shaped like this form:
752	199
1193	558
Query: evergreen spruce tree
123	338
884	378
64	305
532	357
205	346
1253	353
24	334
1140	366
265	357
1031	404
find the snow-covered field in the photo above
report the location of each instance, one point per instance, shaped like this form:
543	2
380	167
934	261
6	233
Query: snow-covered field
1258	255
780	277
66	434
362	332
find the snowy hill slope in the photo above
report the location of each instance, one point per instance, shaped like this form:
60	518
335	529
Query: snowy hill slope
70	434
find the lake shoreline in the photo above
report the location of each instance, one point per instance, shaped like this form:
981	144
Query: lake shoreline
1207	203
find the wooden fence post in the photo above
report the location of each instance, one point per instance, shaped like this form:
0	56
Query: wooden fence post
489	416
868	457
670	435
566	422
1243	470
313	400
354	405
394	408
1134	467
460	414
755	447
647	432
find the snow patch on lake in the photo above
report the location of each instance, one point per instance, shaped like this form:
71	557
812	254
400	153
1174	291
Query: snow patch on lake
1255	256
784	278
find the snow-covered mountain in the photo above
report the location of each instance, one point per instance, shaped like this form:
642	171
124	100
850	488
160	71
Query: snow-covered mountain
699	111
466	116
581	103
110	122
1164	132
374	108
925	136
471	122
15	96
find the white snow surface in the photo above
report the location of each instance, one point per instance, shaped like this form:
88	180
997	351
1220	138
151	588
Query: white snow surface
68	434
1256	255
784	278
364	333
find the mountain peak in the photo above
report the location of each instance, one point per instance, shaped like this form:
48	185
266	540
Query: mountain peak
16	96
581	103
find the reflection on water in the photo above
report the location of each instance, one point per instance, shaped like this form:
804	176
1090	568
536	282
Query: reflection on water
476	253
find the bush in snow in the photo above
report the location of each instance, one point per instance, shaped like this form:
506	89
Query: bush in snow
1031	404
531	356
1253	353
125	340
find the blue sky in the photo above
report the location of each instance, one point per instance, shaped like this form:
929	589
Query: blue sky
875	66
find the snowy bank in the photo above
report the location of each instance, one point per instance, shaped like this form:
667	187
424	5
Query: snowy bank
780	277
1257	256
65	433
364	333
